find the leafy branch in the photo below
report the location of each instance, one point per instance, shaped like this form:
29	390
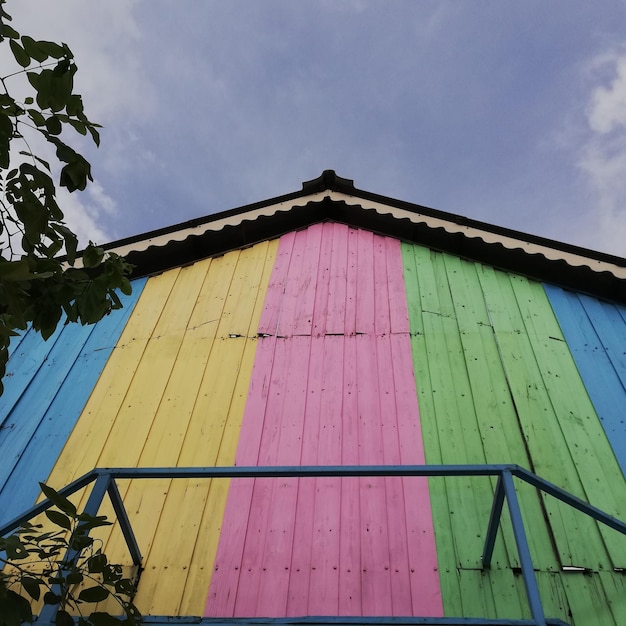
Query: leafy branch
63	567
41	281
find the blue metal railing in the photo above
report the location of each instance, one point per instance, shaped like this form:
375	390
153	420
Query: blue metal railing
105	482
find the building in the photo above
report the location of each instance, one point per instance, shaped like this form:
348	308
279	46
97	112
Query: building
334	326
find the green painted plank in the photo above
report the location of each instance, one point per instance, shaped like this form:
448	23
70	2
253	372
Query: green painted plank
542	431
499	429
589	449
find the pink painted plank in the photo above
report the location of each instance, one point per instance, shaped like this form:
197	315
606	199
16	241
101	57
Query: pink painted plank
375	577
352	273
365	295
259	516
322	283
331	399
289	298
229	557
324	581
398	549
382	319
298	593
302	286
350	532
422	554
398	310
268	324
338	280
276	562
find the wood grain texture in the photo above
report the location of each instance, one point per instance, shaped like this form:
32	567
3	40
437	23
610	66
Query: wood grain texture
328	386
497	384
62	374
173	393
595	332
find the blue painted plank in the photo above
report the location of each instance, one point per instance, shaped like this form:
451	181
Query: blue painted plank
590	327
23	364
610	327
50	407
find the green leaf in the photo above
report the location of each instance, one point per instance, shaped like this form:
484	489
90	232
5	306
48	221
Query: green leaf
33	49
31	586
7	31
92	256
15	270
37	117
74	578
64	618
79	126
58	500
74	175
51	598
14	548
53	125
95	135
59	519
94	594
52	49
103	619
21	56
97	563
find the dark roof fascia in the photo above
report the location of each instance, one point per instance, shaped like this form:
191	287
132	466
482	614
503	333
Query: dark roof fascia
215	242
329	181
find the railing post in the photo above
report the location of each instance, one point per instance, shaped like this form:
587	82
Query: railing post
494	523
48	611
126	528
528	573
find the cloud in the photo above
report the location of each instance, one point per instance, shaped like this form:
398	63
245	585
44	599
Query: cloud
84	212
603	151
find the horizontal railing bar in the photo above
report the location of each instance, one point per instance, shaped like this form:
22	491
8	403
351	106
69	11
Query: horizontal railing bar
312	471
66	491
343	621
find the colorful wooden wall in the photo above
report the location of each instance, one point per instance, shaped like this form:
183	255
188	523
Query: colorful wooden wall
334	345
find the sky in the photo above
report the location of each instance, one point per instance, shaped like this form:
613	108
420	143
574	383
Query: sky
513	113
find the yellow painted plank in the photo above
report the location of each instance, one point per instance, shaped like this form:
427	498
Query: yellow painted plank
181	379
82	450
210	442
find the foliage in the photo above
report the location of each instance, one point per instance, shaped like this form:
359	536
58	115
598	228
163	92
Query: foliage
37	286
62	567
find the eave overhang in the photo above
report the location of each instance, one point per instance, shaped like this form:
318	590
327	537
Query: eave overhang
331	198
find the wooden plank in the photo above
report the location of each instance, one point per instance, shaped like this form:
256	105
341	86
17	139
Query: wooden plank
299	598
494	410
268	324
290	300
37	459
324	440
323	291
538	418
350	588
421	548
29	412
586	441
375	576
338	280
382	303
303	284
600	377
365	292
276	561
228	300
22	367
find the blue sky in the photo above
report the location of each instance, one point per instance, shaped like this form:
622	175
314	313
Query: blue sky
509	112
